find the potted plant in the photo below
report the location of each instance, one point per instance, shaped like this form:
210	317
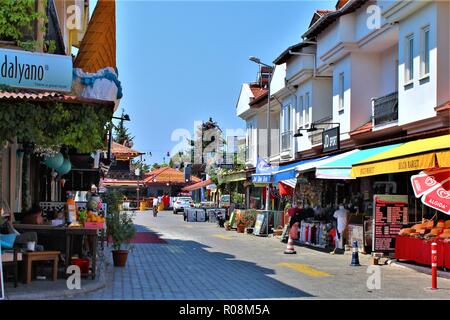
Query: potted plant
240	225
246	219
122	230
227	225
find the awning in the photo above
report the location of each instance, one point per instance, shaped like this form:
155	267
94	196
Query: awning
415	155
198	185
321	161
290	182
288	171
341	168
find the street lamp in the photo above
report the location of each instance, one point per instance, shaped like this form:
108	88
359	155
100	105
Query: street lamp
258	61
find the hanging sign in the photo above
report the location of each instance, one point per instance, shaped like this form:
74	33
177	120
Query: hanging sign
434	188
390	216
331	139
25	69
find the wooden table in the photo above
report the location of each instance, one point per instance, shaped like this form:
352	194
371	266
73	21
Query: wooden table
29	257
67	234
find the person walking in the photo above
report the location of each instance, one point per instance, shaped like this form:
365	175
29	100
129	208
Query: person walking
155	206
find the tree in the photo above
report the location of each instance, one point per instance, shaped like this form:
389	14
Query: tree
121	133
141	165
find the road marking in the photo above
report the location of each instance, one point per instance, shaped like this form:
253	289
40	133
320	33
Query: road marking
304	268
188	226
221	236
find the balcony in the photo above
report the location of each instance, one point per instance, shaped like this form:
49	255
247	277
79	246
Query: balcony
286	138
385	110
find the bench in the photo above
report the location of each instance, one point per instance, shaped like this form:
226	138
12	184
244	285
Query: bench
29	257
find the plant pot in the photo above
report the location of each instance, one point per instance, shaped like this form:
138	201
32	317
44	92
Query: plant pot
249	230
241	228
120	258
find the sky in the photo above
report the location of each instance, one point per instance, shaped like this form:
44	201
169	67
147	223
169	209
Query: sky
181	62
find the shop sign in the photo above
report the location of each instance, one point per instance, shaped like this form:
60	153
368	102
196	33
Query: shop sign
390	216
261	178
331	139
25	69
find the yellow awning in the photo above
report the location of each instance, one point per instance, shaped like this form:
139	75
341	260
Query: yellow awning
443	159
415	155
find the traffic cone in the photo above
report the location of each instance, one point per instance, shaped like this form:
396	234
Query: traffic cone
355	256
290	247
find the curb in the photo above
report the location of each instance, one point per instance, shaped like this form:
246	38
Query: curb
420	269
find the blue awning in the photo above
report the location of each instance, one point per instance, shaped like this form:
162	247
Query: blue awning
340	168
288	171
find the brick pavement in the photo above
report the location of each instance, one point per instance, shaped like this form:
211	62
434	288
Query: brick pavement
201	261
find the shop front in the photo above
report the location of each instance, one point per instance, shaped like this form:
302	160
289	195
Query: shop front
408	187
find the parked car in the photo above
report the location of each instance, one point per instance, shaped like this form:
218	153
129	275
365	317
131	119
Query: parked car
181	203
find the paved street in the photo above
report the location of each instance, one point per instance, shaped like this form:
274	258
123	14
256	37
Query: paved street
201	261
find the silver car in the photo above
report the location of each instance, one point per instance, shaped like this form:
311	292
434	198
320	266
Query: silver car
182	203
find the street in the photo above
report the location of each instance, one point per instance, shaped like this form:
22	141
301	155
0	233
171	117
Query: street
201	261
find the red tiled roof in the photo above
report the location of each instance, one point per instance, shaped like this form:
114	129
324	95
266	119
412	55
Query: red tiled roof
443	107
322	12
48	96
261	97
198	185
118	182
367	127
120	150
257	90
166	175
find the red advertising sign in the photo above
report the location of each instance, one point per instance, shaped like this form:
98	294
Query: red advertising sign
439	197
427	180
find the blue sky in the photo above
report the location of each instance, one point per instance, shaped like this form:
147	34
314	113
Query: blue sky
181	62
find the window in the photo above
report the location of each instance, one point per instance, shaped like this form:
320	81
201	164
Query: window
409	59
425	52
307	108
300	111
341	91
286	118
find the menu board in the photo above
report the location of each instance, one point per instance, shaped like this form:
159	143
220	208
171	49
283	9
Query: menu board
260	225
390	216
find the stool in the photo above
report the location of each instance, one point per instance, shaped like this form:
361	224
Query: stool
29	257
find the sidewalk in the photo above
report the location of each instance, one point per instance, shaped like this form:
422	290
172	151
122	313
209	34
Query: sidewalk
50	290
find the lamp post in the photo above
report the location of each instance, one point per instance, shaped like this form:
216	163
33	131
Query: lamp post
124	117
258	61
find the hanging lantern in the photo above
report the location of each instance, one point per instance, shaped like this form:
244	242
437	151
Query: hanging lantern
65	167
54	161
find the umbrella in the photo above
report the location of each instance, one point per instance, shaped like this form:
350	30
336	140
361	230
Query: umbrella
434	187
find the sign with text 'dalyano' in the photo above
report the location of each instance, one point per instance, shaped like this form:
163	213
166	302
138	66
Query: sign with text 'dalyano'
30	70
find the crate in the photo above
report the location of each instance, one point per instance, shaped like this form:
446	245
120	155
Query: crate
94	225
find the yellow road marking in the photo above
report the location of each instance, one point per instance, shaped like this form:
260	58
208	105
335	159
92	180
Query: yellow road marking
221	236
188	226
304	268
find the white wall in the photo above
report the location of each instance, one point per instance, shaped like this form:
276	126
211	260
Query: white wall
278	79
322	97
443	55
343	66
388	71
244	99
418	101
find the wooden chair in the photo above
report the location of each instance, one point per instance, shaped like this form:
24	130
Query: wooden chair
10	260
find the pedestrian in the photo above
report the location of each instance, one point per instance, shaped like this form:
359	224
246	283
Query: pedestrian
155	206
342	219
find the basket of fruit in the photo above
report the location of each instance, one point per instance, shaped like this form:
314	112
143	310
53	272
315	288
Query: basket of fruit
94	221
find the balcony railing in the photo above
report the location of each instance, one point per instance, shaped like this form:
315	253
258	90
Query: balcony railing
385	109
286	138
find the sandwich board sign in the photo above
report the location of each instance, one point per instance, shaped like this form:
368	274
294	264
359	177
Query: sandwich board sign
260	224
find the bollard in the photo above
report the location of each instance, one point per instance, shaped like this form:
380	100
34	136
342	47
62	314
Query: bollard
355	256
434	258
290	247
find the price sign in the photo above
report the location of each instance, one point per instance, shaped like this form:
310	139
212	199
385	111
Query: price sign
390	216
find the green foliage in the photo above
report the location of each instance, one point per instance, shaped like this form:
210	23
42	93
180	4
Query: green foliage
247	217
121	133
141	165
17	18
52	124
236	197
120	224
121	228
